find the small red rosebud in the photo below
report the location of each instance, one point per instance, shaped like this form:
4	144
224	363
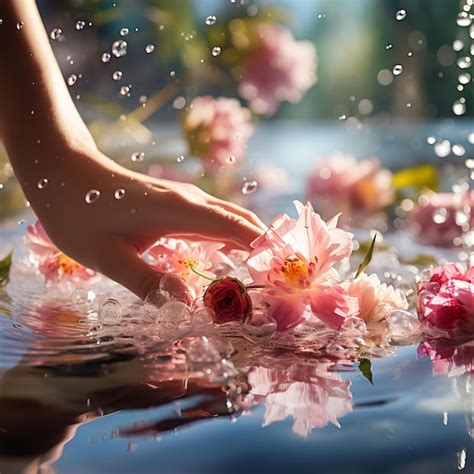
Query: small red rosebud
228	299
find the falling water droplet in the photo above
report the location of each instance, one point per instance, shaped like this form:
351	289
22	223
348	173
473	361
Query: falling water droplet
92	196
442	149
105	57
458	45
42	183
400	15
249	187
56	33
124	32
172	73
440	215
463	19
180	159
71	80
149	48
445	418
138	156
19	25
458	150
464	62
464	78
461	459
431	140
80	25
119	193
119	48
210	20
397	69
117	75
459	108
216	51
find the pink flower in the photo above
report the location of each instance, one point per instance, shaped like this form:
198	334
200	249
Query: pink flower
217	131
181	256
277	68
343	183
434	220
375	299
446	300
311	394
51	262
294	260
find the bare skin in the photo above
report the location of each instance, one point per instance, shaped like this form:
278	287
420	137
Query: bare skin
46	138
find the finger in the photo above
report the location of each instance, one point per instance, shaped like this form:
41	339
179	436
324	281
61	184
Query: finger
241	211
123	264
229	244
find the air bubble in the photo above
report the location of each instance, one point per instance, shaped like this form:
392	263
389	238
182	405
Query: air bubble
125	90
397	69
138	156
110	312
149	48
249	187
124	32
211	20
19	25
56	33
403	325
92	196
105	57
42	183
464	62
442	149
216	51
180	159
463	19
153	302
119	193
119	48
400	15
117	75
71	80
459	108
80	25
174	315
259	326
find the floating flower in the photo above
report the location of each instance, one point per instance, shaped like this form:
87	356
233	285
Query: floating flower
228	299
446	299
294	262
375	299
51	262
276	68
217	131
188	258
439	217
311	394
343	183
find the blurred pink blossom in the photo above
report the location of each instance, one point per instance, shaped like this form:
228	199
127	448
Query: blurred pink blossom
217	131
341	183
51	262
181	257
294	260
375	299
277	68
446	299
311	394
434	220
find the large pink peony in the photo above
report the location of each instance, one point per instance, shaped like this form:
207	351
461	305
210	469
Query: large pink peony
438	219
51	262
446	299
217	131
277	68
342	183
311	394
375	299
182	257
294	261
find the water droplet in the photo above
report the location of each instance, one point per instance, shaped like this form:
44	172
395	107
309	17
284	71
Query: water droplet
71	80
81	297
119	48
203	319
179	102
442	149
445	418
124	32
458	150
353	326
138	156
464	78
21	221
463	19
249	187
403	325
458	45
153	302
80	25
216	51
42	183
56	33
210	20
231	159
125	90
440	215
431	140
397	69
105	57
464	62
142	99
259	326
92	196
117	75
180	159
119	193
389	46
459	108
461	455
174	315
172	73
400	15
470	138
149	48
110	312
175	288
19	25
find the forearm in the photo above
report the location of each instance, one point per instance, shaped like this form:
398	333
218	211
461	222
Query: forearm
36	110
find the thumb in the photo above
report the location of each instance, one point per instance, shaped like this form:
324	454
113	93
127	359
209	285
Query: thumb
123	264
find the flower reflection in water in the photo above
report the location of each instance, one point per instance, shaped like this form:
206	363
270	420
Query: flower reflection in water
310	393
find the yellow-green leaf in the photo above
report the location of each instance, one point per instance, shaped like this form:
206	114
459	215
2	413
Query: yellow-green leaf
365	367
418	177
367	258
5	265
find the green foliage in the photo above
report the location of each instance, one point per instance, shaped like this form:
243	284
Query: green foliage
5	265
365	367
367	258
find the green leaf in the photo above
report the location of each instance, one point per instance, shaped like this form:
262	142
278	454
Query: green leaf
367	258
5	265
365	367
417	177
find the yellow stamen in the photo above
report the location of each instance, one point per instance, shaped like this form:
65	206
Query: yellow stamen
294	269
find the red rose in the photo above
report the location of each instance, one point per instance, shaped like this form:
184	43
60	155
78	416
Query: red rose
228	299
